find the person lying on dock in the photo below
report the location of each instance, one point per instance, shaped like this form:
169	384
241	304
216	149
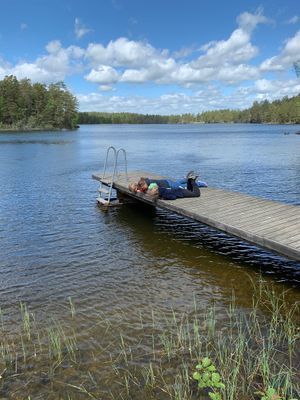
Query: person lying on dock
156	192
144	183
134	188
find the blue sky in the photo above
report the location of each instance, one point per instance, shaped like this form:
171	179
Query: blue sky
158	56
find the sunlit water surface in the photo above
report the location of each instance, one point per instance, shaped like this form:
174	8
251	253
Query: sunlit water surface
56	244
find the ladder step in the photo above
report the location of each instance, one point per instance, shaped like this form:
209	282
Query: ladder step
102	201
103	190
111	203
105	183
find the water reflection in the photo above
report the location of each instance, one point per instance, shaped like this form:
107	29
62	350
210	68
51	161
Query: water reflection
48	142
169	227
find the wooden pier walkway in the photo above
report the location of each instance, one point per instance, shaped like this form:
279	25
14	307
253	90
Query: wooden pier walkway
268	224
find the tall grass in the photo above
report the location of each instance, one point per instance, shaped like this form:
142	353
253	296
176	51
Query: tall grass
253	350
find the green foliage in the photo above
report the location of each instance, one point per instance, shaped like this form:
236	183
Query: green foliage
120	118
24	105
208	378
271	394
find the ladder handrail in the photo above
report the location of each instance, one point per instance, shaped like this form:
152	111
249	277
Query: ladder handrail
115	155
125	159
107	153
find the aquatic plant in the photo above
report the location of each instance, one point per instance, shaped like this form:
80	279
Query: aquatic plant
271	394
208	378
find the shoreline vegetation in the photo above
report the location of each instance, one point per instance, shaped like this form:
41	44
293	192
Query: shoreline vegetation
36	129
249	354
26	106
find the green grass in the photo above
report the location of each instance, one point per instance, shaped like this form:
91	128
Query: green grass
255	351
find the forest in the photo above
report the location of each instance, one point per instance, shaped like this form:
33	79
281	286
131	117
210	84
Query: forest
29	106
284	111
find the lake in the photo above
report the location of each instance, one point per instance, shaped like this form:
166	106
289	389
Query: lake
57	247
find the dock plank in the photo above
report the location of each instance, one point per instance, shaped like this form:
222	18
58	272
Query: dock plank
264	221
280	225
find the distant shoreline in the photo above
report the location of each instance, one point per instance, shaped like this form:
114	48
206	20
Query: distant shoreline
192	123
51	129
11	130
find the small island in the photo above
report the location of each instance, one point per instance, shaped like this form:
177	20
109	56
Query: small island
30	106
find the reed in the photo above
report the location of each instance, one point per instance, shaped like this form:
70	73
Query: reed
26	320
72	307
255	352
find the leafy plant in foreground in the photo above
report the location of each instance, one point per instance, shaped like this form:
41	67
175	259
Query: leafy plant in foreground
271	394
208	378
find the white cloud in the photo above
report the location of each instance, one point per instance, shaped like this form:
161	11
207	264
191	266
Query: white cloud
226	53
103	74
157	71
35	72
183	52
106	88
53	47
293	20
237	73
289	54
187	74
292	47
52	67
135	75
276	89
59	62
80	29
248	21
237	48
122	52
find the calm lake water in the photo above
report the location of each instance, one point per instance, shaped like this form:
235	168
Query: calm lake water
55	243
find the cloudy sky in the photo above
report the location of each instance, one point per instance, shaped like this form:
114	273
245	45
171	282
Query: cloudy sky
155	56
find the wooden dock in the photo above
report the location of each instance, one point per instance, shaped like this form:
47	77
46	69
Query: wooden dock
268	224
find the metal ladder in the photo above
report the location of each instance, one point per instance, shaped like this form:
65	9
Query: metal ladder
105	193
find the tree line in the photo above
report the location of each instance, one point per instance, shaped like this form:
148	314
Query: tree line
121	118
26	105
284	111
